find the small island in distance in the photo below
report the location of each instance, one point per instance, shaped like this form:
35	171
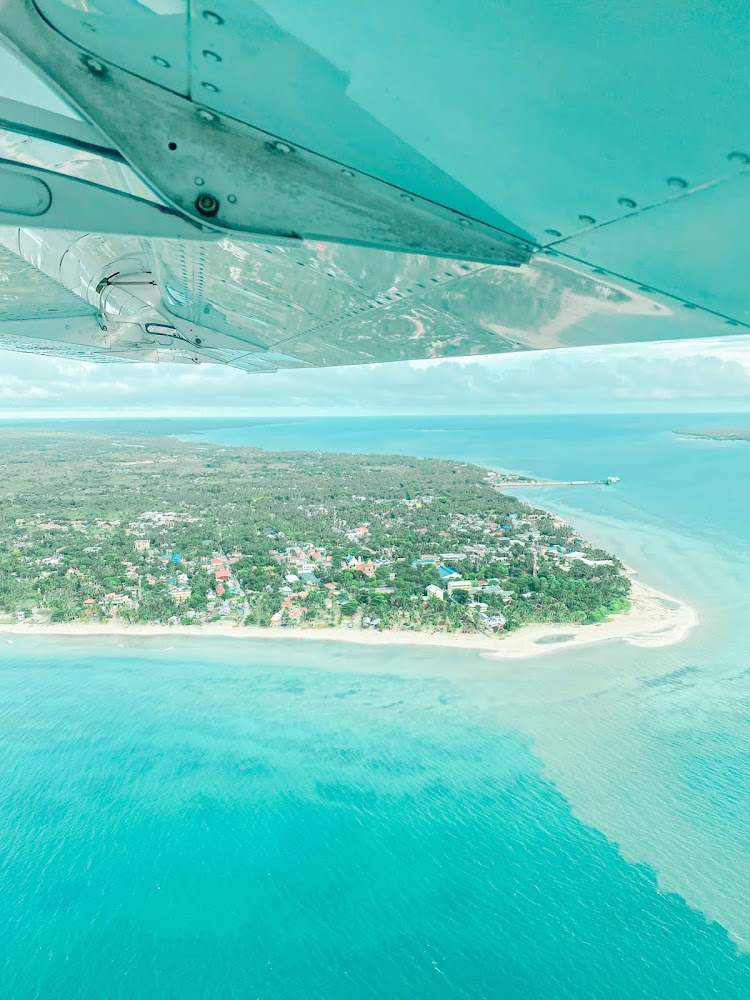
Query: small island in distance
716	433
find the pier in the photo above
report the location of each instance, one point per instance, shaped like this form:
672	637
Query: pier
525	483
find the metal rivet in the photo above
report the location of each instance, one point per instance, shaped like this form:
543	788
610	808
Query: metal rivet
280	147
93	64
626	202
731	322
346	172
597	270
199	181
210	87
231	198
644	288
206	116
161	62
207	205
212	18
406	197
213	56
588	219
172	146
677	182
88	27
742	158
464	222
553	232
689	305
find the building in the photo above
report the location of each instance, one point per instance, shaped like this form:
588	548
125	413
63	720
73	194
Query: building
493	588
494	622
142	545
447	572
367	568
459	585
434	591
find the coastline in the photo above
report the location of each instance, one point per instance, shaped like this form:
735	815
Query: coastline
654	619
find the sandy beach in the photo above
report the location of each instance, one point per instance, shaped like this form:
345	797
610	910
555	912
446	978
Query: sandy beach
653	619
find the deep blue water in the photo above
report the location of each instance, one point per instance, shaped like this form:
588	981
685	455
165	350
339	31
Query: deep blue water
199	818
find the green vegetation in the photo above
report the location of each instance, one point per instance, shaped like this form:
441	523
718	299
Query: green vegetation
154	530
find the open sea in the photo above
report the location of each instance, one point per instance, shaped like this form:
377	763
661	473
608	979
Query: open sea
189	819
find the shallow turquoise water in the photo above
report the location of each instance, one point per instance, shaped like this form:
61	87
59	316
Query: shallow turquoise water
177	827
236	819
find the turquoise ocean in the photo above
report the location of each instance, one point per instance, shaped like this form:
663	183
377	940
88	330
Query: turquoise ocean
214	818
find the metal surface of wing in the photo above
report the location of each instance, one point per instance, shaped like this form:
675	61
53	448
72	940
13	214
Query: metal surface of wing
259	307
381	181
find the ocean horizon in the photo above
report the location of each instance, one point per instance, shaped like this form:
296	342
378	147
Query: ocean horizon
216	818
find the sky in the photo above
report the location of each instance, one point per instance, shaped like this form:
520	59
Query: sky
682	377
690	376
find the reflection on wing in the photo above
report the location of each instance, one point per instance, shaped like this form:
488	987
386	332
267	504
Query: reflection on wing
260	307
333	305
26	293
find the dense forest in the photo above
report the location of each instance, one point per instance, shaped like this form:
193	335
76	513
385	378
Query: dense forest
151	529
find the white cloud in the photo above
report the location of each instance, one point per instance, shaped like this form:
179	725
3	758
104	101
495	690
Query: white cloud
696	374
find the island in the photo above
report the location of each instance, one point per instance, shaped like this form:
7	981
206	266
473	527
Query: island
155	532
717	433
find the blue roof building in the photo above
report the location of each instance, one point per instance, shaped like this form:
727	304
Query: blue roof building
446	572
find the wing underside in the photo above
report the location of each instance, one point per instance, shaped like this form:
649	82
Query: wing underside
337	185
260	307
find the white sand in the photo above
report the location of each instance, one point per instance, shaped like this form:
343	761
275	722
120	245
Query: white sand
648	622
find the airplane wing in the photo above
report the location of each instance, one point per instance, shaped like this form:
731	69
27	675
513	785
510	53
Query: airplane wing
276	184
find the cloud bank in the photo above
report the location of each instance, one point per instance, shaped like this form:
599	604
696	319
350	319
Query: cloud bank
695	375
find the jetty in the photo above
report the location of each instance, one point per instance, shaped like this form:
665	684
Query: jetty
507	484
